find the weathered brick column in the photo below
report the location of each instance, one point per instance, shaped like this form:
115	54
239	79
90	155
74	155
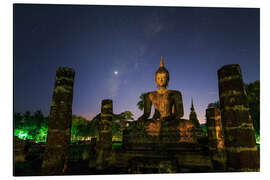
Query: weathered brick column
215	138
59	125
105	134
240	144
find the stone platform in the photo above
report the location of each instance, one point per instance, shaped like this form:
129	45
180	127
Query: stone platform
159	135
173	147
185	158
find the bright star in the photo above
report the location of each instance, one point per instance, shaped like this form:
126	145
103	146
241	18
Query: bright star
115	72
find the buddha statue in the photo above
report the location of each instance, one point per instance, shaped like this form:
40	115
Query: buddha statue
166	123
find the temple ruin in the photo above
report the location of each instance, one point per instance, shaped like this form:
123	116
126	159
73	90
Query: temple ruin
165	143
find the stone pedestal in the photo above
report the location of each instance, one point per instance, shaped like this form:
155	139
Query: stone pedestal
105	134
59	125
215	138
240	144
162	135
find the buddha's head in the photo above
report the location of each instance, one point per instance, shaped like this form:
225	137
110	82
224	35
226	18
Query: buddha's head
162	75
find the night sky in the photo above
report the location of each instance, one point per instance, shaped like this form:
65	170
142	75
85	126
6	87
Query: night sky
115	52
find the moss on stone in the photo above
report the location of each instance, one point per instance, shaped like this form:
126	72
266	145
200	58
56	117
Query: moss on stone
242	126
62	89
236	108
106	115
106	106
230	93
241	149
65	78
228	78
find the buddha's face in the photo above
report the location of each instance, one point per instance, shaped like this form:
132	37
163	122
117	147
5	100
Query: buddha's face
161	79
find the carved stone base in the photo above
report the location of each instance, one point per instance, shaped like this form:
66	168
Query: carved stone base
157	135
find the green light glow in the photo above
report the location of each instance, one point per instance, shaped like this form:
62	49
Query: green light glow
23	136
257	136
26	133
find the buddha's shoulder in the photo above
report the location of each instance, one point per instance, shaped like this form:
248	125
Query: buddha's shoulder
174	92
171	92
151	93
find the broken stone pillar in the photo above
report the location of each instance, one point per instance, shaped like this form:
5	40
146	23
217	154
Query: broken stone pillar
240	143
93	153
215	138
105	134
59	125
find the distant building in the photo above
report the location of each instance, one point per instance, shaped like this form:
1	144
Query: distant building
194	119
193	116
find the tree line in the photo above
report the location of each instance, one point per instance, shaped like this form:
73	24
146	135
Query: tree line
34	126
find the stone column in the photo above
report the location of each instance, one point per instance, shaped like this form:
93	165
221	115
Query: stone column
93	153
215	138
105	134
59	125
240	144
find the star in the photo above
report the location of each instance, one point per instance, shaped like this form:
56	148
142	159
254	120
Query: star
115	72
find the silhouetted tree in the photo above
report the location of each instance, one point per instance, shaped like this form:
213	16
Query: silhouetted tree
215	104
140	104
18	120
38	118
80	128
118	121
28	126
253	93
